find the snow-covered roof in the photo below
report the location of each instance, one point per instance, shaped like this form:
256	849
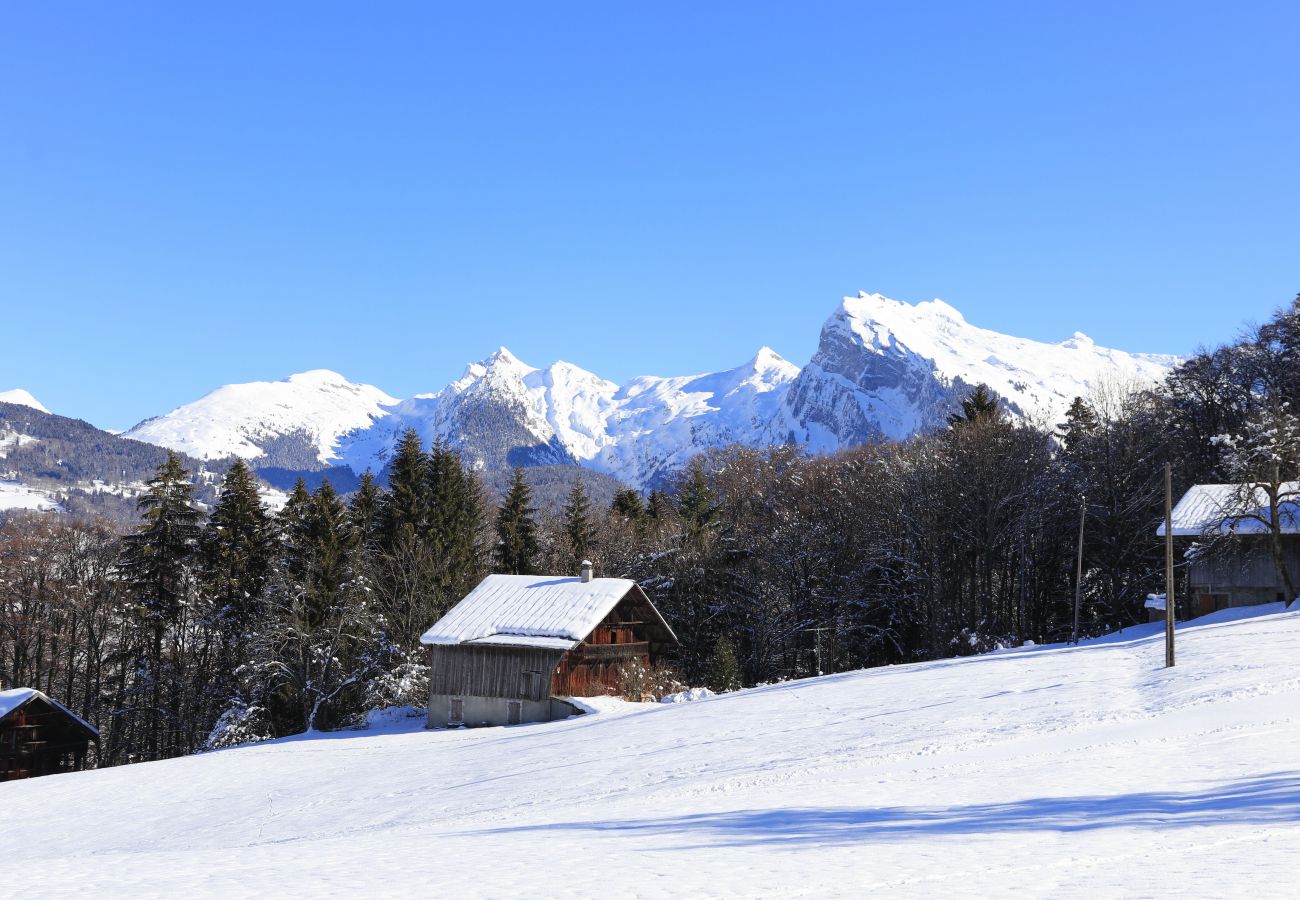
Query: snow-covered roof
12	699
544	611
1221	508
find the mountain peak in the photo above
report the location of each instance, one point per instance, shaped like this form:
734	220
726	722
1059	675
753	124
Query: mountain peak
768	360
317	376
22	398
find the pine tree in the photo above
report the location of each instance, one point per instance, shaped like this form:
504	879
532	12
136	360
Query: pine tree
724	672
980	407
156	562
405	510
695	502
659	507
578	527
237	548
628	504
364	511
455	518
1080	421
517	543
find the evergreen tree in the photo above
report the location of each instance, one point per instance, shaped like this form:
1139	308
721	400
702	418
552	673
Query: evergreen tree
578	527
724	671
322	645
237	550
659	508
517	543
695	502
628	504
405	510
364	511
156	562
156	555
1079	422
455	518
979	407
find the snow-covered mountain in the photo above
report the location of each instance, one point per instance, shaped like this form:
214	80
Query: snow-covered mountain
883	369
22	398
293	423
503	412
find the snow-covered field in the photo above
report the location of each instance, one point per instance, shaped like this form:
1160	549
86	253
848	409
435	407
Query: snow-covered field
14	495
1051	771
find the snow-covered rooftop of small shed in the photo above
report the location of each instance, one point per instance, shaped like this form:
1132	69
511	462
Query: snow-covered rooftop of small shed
1211	507
529	610
12	699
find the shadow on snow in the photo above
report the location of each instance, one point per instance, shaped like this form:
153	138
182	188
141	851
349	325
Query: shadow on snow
1271	799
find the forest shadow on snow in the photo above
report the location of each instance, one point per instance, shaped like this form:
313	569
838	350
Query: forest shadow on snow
1267	800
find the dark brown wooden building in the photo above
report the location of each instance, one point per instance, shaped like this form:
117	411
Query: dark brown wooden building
40	736
516	645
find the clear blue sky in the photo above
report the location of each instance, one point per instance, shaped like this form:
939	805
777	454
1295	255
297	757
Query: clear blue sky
194	194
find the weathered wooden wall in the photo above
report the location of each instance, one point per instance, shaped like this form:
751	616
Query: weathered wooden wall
492	671
1241	574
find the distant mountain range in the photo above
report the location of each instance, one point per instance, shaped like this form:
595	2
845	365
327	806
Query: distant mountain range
883	369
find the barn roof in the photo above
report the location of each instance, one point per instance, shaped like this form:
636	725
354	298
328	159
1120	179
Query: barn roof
1220	507
12	699
543	611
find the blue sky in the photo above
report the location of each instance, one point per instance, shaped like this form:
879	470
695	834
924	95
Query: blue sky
195	194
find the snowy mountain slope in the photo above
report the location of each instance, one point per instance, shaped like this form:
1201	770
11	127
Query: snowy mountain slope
295	422
1057	771
22	398
503	412
884	368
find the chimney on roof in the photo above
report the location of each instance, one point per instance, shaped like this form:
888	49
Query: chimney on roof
586	571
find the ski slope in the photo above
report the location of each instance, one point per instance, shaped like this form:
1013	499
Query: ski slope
1053	771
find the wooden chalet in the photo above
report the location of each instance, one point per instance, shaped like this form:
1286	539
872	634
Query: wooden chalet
40	736
1235	567
516	645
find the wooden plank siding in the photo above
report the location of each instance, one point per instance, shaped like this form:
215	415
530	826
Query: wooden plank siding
492	671
1240	575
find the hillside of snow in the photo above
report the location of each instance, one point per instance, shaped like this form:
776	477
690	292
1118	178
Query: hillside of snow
1054	771
308	412
22	398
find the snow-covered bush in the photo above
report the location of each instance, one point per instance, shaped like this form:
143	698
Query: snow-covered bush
241	723
642	684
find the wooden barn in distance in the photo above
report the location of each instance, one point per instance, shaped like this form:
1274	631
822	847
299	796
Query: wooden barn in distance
40	736
1239	570
517	644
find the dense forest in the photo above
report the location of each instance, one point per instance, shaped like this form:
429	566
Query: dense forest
196	631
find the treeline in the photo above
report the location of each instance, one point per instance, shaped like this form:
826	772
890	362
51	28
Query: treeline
202	630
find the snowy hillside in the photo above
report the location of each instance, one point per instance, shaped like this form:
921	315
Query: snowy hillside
294	422
1054	771
888	368
882	368
22	398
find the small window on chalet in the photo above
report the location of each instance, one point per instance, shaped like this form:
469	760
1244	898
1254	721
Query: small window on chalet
513	712
457	714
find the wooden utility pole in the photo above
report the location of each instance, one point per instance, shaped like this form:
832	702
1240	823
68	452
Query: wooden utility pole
1078	569
1169	566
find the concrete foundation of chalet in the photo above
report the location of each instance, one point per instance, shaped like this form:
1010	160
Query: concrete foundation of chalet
447	711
